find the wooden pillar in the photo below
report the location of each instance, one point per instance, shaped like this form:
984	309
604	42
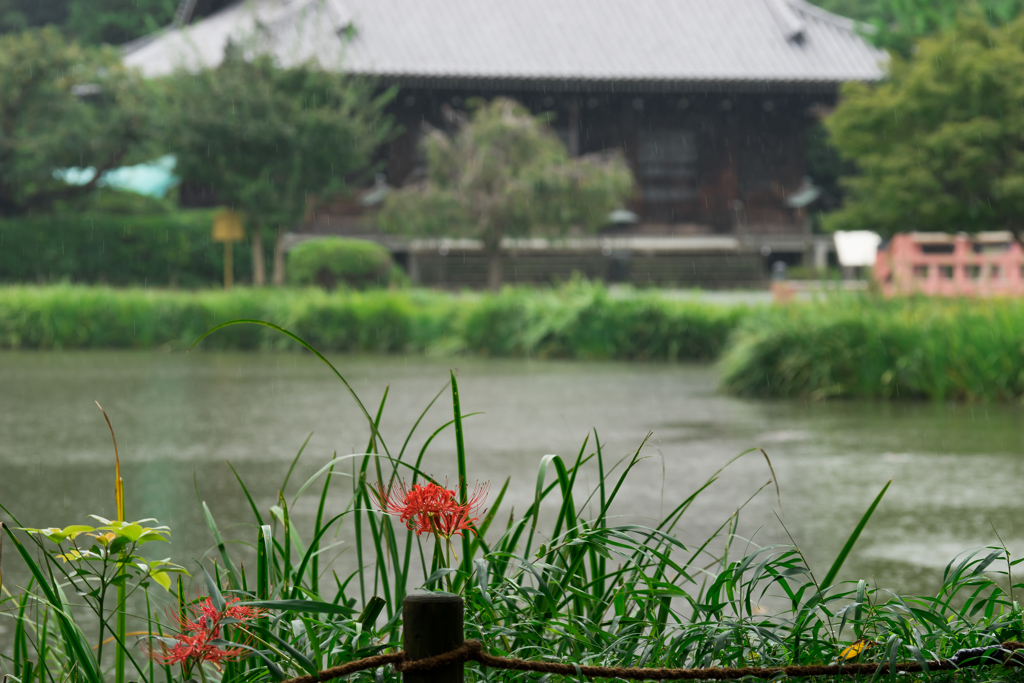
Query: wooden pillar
229	264
432	626
731	177
574	128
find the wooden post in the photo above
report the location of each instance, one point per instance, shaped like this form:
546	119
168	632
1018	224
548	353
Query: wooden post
432	626
229	264
227	228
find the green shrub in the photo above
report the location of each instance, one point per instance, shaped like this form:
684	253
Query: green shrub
578	321
868	347
172	249
331	261
582	321
108	200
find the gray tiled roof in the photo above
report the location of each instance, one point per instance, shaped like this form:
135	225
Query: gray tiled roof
597	41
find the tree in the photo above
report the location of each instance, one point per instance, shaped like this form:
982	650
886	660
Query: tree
18	15
117	21
505	174
94	22
63	105
940	145
268	140
897	24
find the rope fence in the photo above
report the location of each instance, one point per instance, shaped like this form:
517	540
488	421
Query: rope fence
432	656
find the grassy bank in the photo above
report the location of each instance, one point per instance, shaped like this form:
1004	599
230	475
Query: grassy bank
578	321
853	346
865	347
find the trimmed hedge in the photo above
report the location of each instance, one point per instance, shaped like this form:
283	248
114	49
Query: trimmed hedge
172	249
331	261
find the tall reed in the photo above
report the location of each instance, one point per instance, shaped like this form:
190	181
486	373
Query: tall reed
867	347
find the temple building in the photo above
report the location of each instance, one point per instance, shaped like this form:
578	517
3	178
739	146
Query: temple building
710	101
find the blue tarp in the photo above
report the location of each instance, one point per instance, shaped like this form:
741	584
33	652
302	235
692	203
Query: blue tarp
153	178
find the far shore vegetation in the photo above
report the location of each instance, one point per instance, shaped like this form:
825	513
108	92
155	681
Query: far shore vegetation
838	346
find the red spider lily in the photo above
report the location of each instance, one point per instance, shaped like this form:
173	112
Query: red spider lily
196	647
195	642
431	508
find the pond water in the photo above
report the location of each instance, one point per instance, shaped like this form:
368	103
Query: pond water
179	418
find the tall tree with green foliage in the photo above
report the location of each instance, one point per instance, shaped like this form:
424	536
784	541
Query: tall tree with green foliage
63	105
268	140
939	146
505	173
898	24
89	22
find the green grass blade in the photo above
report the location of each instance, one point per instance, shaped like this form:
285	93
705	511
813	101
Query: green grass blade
460	452
295	461
221	547
852	540
248	497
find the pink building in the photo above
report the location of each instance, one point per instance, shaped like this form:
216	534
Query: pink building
938	264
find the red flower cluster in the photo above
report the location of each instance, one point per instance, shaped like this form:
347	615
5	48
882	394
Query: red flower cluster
431	508
195	642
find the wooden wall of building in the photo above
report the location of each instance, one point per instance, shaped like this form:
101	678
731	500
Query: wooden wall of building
715	162
468	268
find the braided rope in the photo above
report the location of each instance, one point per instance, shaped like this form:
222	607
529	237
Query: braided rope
472	651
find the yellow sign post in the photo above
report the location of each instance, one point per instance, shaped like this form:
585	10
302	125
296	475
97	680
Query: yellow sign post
227	228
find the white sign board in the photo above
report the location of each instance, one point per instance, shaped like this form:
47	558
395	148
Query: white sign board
857	247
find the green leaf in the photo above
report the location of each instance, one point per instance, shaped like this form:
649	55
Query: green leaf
303	606
215	594
59	535
369	615
852	540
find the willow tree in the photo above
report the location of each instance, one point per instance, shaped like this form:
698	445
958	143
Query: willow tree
264	139
505	173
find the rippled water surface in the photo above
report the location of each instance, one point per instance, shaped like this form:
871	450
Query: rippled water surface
957	470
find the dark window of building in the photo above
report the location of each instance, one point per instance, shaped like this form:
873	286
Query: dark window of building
921	272
994	272
973	272
946	272
937	248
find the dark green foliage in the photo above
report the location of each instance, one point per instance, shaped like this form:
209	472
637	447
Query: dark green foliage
142	250
89	22
18	15
583	321
863	347
504	174
939	145
826	169
268	140
898	24
579	321
47	121
106	200
117	21
331	261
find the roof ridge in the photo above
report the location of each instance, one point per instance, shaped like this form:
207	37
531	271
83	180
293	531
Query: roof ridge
836	20
792	26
